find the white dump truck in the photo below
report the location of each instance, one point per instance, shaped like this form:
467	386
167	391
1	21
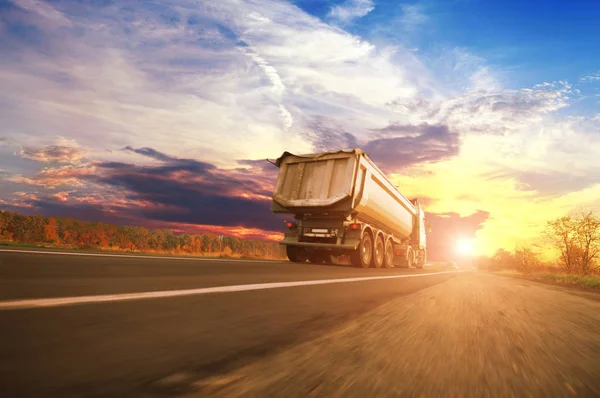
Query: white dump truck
343	204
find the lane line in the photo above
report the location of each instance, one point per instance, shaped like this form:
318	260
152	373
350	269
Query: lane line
141	257
67	301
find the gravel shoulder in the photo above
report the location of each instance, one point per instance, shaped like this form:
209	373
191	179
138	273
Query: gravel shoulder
475	335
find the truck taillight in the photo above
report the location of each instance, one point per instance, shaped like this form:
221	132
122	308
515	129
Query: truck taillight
289	224
354	226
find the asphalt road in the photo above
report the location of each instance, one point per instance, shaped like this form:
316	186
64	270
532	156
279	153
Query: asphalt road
459	334
125	348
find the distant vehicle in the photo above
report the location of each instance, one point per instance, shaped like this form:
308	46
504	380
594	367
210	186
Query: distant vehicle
344	205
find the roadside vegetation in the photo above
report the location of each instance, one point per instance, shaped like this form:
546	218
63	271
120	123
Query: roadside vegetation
68	233
577	242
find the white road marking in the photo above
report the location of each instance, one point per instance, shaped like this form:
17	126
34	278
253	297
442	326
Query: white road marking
66	301
134	256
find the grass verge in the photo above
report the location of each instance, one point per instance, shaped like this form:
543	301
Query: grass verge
129	252
586	282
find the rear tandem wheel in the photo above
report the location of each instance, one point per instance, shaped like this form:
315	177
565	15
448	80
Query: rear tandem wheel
363	255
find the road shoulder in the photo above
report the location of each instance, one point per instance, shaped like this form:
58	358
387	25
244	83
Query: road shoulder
572	288
474	335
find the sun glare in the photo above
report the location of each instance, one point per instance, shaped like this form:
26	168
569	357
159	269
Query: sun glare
465	247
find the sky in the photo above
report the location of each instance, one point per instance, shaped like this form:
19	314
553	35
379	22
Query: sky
162	113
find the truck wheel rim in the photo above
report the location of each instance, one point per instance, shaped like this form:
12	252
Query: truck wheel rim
389	256
379	253
366	250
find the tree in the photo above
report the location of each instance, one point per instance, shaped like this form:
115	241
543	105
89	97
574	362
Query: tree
73	233
51	231
577	240
588	238
526	260
186	243
196	244
6	226
156	239
503	259
170	241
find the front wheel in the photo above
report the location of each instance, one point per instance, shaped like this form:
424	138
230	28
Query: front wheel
410	258
362	257
422	259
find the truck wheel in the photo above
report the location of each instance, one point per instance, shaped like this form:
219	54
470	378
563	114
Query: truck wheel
410	258
388	261
421	260
362	257
379	254
295	254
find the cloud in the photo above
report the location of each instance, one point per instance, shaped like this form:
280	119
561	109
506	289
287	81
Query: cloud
410	145
44	10
54	153
412	17
278	88
175	94
7	141
351	10
176	190
494	111
594	77
556	183
326	136
52	178
172	164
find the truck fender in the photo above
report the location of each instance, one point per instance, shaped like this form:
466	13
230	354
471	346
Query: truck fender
368	230
382	235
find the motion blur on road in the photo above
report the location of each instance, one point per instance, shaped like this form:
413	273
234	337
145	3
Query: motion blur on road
427	333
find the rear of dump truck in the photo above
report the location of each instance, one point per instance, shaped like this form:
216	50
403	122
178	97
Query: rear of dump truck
342	204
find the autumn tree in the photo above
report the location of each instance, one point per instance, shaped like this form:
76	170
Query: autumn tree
170	241
577	239
186	243
51	231
196	244
74	233
526	260
503	259
156	239
6	233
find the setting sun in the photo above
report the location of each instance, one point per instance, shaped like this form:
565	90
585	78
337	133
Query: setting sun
465	247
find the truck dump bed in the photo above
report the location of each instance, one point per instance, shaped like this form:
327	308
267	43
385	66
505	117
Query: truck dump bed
316	180
344	182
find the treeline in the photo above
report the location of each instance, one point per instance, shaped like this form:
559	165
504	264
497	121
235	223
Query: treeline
575	239
71	233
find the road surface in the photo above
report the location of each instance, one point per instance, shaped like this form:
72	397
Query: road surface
450	334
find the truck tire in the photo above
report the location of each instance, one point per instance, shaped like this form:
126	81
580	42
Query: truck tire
363	256
410	258
379	252
295	254
388	261
421	259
